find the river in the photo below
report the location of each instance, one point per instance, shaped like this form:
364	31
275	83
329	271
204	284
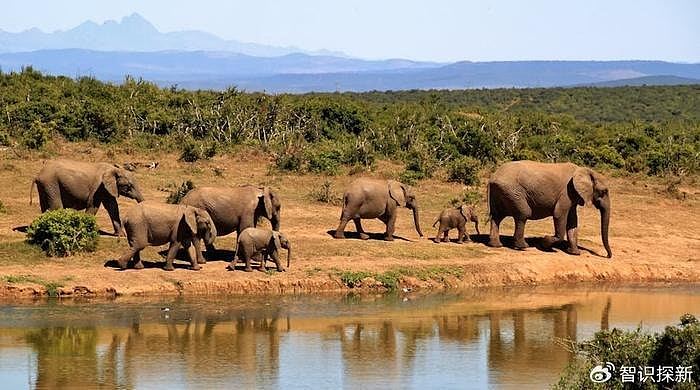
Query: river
490	338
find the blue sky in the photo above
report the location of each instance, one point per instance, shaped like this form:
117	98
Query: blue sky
438	30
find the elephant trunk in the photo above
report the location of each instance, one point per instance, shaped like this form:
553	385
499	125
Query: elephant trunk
476	226
289	254
275	222
605	224
416	221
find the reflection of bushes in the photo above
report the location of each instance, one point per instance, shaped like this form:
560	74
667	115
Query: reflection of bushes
676	346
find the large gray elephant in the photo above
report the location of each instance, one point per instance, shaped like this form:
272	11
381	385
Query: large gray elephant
153	224
373	198
262	243
85	186
533	190
237	208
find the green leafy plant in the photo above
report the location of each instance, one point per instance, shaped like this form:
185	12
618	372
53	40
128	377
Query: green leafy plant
464	170
179	192
324	193
64	232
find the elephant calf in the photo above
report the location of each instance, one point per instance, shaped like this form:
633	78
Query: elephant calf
455	217
153	224
254	242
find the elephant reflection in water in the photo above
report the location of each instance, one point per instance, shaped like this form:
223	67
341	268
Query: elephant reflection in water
67	357
215	346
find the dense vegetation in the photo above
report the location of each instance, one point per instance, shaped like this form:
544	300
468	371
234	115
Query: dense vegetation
654	130
676	346
64	232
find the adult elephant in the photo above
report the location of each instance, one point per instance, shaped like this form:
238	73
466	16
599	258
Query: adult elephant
373	198
533	190
85	186
236	208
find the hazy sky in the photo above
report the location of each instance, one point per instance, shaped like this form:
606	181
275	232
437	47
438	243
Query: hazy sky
439	30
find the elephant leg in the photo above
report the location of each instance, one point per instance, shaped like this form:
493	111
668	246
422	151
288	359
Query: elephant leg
519	235
559	231
197	243
172	252
194	257
495	235
263	263
124	260
49	201
137	260
445	235
113	211
572	232
211	251
465	233
276	258
390	226
249	253
461	234
358	227
340	230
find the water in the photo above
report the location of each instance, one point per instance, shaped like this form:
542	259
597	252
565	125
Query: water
486	339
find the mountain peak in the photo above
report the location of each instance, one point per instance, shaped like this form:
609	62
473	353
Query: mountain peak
138	22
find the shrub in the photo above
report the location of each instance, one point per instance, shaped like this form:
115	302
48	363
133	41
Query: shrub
676	346
194	151
289	161
179	192
464	170
325	161
37	135
468	197
64	232
324	193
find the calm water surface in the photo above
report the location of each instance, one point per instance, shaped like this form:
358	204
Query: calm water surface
474	339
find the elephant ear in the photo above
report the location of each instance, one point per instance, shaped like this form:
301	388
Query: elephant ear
583	184
275	241
187	225
109	181
204	215
397	191
267	199
464	210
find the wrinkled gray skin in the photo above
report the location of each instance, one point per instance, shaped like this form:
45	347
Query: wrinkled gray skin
533	190
153	224
255	242
85	186
373	198
237	208
455	217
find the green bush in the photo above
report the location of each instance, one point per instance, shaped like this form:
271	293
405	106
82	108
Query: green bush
464	170
324	193
194	151
179	192
676	346
64	232
36	136
324	161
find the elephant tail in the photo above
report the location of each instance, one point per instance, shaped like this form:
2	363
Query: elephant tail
436	222
31	191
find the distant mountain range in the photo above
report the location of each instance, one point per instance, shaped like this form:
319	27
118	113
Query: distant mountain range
135	33
195	59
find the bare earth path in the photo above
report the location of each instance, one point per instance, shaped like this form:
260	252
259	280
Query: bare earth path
654	237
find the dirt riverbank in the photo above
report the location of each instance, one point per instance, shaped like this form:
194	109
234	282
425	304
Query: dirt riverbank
654	237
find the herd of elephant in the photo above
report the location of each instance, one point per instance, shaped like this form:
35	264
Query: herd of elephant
520	189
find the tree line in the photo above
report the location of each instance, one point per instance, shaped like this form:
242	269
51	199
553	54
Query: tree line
652	130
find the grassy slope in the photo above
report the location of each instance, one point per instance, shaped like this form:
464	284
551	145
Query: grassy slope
653	236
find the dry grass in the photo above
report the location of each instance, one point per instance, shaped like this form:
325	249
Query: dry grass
650	232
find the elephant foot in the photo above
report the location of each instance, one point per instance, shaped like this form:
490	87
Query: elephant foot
521	245
436	240
495	244
248	269
231	267
138	265
196	267
169	268
339	235
389	238
122	265
364	236
281	270
460	242
573	251
262	269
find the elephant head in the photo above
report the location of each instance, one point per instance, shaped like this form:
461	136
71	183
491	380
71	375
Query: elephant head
405	197
590	186
469	215
205	226
279	241
271	203
117	181
195	222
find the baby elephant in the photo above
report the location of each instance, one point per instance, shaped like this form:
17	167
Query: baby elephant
153	224
456	217
255	242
